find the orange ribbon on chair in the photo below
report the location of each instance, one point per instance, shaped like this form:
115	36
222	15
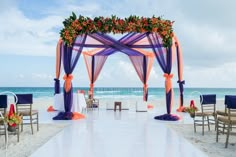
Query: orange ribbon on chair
168	81
68	79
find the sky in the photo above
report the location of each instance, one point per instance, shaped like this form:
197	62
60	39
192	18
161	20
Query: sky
29	32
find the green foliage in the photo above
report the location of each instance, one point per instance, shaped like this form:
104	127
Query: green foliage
74	26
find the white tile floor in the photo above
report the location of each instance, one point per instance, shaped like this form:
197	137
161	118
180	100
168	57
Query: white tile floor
118	134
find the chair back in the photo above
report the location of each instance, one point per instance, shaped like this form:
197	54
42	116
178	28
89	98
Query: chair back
3	104
208	99
231	106
226	101
227	97
25	102
208	102
231	102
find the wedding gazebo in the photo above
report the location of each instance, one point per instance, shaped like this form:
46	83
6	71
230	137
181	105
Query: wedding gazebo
143	40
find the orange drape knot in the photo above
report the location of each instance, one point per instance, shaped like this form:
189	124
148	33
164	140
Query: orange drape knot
90	92
168	81
168	76
91	85
68	79
145	86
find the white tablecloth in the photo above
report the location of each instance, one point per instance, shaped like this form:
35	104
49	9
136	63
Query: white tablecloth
77	105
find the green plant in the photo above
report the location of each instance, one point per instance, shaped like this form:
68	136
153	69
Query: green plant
13	119
191	109
74	26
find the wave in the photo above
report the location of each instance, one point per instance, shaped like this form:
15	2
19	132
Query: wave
102	92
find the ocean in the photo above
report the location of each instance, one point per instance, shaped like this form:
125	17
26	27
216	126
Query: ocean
125	92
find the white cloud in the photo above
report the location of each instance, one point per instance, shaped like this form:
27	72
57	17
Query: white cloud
21	35
87	9
220	76
42	76
206	30
21	76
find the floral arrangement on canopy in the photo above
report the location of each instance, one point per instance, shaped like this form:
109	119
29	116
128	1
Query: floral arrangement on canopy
74	26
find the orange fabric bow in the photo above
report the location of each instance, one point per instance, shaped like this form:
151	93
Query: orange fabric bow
68	79
145	86
91	86
168	81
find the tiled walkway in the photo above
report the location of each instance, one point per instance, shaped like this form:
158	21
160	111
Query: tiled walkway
118	134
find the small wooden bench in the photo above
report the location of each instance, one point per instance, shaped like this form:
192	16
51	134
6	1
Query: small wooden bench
117	103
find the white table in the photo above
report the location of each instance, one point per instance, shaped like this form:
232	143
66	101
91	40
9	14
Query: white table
78	102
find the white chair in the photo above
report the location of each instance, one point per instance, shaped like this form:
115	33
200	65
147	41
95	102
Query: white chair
82	102
3	124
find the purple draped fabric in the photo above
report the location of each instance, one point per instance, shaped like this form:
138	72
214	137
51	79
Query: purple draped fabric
116	45
129	44
120	45
164	58
57	86
70	56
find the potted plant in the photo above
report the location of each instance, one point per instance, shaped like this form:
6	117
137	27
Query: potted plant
13	119
191	109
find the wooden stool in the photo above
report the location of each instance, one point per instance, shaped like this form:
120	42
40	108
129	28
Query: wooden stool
117	103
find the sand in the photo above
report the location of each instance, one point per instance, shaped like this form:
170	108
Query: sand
207	143
29	143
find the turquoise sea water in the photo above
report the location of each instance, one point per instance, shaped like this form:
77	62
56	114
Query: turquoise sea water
127	92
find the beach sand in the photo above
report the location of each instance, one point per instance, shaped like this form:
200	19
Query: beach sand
47	131
207	143
29	143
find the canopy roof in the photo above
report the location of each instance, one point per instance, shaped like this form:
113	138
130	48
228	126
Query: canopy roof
74	26
143	40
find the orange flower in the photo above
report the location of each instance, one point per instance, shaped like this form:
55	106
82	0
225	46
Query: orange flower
164	33
84	23
116	25
154	29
